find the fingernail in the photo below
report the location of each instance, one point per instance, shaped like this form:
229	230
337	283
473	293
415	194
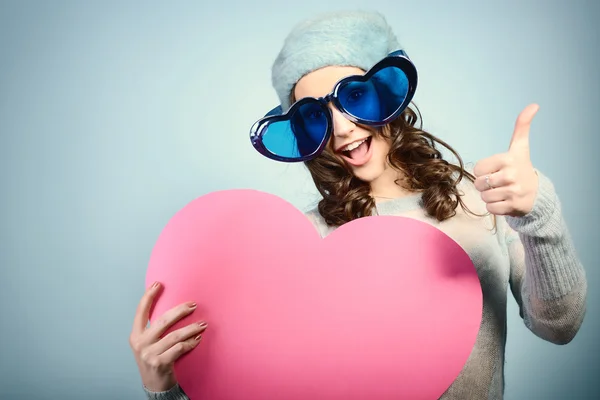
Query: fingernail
202	324
198	338
193	305
155	285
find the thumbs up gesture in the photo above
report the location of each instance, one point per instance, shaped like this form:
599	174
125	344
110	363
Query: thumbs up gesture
508	182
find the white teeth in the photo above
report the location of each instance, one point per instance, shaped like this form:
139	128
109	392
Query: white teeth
354	145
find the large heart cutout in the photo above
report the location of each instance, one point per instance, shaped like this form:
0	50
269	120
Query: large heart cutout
383	308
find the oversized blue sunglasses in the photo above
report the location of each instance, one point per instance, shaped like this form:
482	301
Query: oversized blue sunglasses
375	99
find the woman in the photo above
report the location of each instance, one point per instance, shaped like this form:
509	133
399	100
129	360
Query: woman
367	156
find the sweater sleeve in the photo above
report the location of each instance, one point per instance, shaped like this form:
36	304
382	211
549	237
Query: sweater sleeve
546	277
175	393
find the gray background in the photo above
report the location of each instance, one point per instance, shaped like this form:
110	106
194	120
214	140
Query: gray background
114	116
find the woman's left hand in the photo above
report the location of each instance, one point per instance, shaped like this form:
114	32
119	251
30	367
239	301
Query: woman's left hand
508	182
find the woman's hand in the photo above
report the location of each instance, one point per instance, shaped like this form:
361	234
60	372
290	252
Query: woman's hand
156	356
508	182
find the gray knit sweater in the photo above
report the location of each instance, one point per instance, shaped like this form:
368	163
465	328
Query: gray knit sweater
533	255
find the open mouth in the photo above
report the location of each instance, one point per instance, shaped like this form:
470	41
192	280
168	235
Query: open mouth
357	153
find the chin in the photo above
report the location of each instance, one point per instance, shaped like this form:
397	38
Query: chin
369	173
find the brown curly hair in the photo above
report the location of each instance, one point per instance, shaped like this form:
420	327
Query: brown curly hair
413	152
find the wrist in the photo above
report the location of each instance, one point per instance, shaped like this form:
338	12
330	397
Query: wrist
543	212
160	385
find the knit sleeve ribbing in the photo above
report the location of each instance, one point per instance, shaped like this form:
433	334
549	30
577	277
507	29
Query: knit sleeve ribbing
175	393
547	278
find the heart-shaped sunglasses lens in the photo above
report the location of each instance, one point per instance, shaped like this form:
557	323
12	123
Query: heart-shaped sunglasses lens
297	134
374	98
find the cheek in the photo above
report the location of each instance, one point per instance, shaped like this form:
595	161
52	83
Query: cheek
332	145
381	147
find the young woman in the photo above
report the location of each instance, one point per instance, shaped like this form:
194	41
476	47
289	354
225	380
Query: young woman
345	88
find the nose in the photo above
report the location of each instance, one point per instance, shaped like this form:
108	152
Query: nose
342	127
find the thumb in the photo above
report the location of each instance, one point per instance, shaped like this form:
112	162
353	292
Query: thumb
520	137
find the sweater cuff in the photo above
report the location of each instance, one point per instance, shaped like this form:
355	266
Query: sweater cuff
175	393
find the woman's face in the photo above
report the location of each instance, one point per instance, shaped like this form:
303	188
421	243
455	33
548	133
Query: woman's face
365	154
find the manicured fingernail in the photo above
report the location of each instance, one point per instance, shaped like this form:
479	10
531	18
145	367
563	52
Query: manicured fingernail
198	338
202	324
193	305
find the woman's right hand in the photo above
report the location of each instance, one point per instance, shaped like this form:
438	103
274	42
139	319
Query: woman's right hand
156	356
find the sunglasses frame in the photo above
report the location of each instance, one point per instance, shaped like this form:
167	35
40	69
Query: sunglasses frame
397	58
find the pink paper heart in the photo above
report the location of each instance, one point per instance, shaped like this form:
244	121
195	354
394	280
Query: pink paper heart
383	308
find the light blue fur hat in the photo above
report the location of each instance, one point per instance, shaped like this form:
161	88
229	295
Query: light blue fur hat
348	38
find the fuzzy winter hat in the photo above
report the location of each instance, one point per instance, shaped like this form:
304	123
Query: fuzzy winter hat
349	38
